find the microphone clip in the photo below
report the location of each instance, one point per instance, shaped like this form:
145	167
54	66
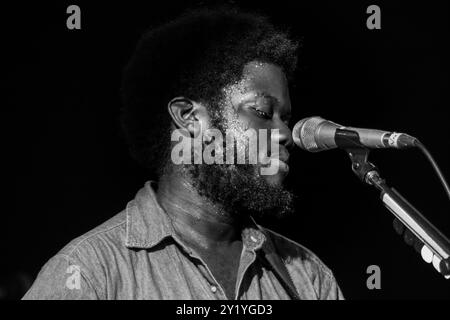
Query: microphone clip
360	164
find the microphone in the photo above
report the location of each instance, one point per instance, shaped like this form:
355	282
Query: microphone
316	134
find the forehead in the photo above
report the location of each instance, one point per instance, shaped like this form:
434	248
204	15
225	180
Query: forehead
261	78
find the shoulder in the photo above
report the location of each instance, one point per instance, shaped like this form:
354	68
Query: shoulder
305	267
99	250
78	271
111	233
290	250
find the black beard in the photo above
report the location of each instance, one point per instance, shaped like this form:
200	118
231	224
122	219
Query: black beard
240	190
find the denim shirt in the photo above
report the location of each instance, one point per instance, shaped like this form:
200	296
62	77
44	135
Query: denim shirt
137	255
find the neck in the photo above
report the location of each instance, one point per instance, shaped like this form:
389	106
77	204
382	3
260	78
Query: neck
196	219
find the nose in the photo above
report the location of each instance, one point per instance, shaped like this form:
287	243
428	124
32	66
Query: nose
284	135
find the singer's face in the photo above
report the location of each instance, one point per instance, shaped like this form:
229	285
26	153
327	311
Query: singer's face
261	101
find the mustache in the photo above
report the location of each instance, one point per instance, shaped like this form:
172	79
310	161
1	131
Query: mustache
282	154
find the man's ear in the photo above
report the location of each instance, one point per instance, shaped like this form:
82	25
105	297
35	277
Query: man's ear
187	114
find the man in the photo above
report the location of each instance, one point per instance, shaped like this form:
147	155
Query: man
191	234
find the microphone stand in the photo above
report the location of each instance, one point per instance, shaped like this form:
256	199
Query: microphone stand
436	247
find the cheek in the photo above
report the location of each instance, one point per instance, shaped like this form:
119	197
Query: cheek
260	127
244	120
265	142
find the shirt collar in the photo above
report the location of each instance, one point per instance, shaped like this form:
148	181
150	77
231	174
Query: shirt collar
148	224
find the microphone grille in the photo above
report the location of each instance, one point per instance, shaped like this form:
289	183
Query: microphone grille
304	133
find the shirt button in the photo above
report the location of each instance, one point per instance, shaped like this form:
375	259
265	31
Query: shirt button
213	289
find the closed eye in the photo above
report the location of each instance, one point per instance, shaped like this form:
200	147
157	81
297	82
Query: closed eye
262	114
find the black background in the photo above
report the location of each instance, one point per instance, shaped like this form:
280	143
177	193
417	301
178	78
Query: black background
67	169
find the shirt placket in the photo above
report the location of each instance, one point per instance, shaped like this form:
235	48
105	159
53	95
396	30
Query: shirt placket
248	256
214	287
249	245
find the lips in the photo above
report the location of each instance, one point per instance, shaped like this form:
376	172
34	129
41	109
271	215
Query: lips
276	163
283	155
282	159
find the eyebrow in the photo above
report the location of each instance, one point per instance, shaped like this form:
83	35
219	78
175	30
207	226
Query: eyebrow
268	96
